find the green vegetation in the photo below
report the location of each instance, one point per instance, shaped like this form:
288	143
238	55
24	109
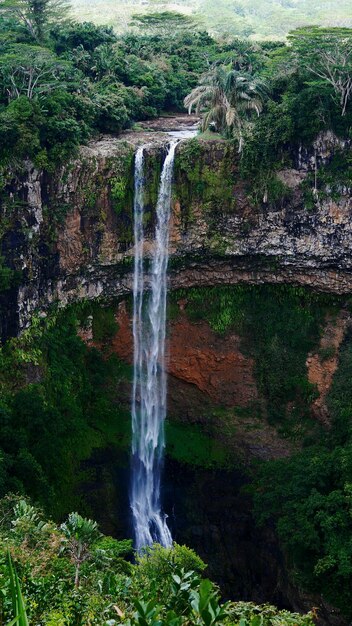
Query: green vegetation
18	605
261	19
6	276
278	327
331	181
192	446
165	23
79	535
104	325
62	82
275	99
52	384
38	561
58	403
229	96
309	496
325	53
307	97
202	183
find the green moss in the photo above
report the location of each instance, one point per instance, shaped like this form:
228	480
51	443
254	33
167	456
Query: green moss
188	444
204	182
119	194
278	326
189	155
121	184
91	199
55	423
6	276
104	324
218	243
340	396
209	135
333	181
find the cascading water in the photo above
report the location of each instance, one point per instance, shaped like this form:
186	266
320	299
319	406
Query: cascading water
149	380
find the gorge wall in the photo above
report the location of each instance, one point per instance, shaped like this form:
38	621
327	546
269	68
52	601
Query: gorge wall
68	235
254	389
254	355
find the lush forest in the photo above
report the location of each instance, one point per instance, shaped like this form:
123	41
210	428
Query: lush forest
63	83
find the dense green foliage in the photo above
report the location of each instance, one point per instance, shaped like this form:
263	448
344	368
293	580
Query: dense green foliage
57	404
62	82
228	96
275	100
304	101
70	402
310	496
164	586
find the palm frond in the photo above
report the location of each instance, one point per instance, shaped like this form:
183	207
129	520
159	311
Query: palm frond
228	95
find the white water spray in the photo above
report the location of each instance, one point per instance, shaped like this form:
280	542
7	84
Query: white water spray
149	380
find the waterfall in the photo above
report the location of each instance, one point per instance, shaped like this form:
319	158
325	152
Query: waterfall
149	376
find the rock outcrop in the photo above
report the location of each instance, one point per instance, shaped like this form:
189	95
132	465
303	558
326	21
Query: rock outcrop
71	236
323	364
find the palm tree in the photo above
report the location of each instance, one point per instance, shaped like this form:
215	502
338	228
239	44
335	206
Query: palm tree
80	534
230	98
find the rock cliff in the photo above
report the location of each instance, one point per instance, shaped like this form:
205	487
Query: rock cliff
68	235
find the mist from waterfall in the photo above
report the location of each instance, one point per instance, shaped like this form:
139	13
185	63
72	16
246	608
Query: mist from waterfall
149	376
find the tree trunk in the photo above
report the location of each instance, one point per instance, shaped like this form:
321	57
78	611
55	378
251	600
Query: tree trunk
315	192
77	577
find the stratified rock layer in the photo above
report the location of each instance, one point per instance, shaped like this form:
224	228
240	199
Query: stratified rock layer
72	236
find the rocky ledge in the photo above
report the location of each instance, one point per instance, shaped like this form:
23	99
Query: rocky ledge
70	237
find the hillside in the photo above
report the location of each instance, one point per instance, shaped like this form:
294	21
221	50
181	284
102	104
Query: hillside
257	18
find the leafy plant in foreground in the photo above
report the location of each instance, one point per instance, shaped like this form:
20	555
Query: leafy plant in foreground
80	534
207	609
18	605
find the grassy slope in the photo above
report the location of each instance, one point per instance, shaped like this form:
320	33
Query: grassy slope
257	18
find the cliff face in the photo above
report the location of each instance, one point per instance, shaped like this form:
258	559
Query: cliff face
222	390
69	236
214	383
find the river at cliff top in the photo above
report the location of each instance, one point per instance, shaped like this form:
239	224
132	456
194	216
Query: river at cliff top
175	127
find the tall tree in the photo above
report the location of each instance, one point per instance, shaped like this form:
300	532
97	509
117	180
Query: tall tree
166	23
36	16
228	97
32	71
327	54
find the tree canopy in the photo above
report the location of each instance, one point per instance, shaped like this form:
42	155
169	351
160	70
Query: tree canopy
165	23
36	16
326	53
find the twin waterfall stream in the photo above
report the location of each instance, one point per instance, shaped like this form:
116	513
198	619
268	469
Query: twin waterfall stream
149	375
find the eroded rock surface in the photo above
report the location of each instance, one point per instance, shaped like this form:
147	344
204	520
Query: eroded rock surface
323	364
74	230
